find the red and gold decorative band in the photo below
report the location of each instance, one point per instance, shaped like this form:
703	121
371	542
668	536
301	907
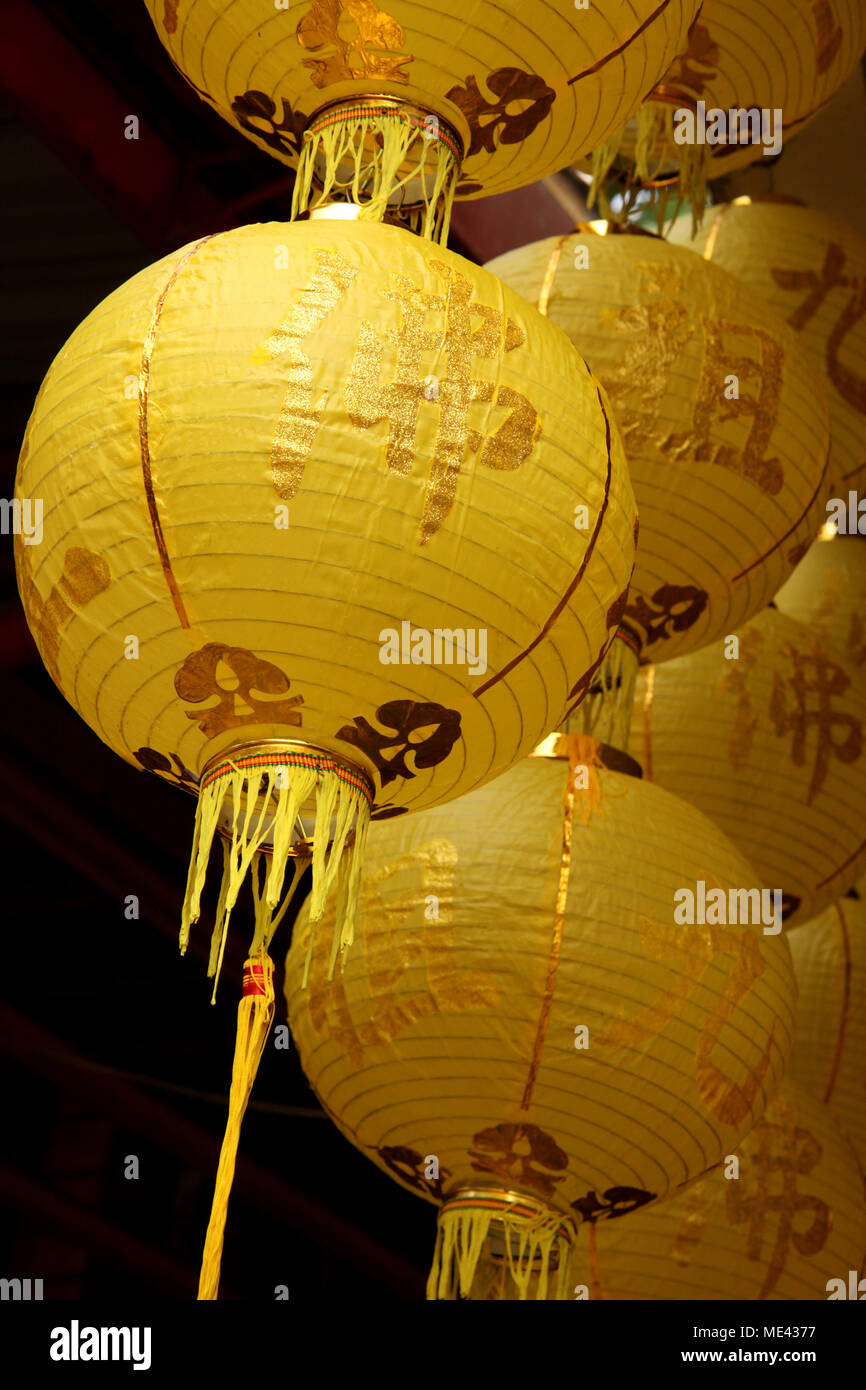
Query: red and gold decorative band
508	1204
359	111
258	977
267	761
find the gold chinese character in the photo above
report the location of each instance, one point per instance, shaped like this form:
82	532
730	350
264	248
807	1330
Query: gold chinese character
393	945
814	675
398	403
783	1152
690	952
818	285
713	404
300	415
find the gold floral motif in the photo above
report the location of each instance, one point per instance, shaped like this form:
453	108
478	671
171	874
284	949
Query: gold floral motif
398	402
783	1153
814	674
393	943
615	1201
491	118
257	113
154	761
828	34
408	1166
169	16
695	68
406	721
358	35
679	605
85	575
520	1155
300	415
818	285
232	674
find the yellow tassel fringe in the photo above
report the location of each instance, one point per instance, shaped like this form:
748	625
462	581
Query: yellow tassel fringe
463	1268
606	709
671	173
265	801
359	159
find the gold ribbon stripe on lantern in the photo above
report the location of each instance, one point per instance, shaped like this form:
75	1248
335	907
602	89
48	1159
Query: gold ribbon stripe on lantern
725	435
523	1022
811	268
788	1221
829	1057
769	742
827	591
526	88
777	63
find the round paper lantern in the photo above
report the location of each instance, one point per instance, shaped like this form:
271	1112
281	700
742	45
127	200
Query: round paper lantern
764	732
725	434
828	592
829	1057
308	534
811	268
525	88
751	76
787	1221
525	1036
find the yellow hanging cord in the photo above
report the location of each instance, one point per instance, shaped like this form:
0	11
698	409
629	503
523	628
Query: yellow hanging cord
255	1015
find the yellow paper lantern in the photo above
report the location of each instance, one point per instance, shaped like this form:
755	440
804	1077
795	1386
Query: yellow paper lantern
775	63
523	1035
271	461
526	88
764	732
725	435
790	1225
811	268
829	1057
828	592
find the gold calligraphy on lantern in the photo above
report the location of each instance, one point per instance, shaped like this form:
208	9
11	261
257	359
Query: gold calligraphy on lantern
359	36
766	1194
393	945
804	702
746	352
658	333
696	949
398	402
736	682
818	285
300	416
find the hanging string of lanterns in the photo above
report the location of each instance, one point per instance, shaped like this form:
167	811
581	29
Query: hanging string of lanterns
338	526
